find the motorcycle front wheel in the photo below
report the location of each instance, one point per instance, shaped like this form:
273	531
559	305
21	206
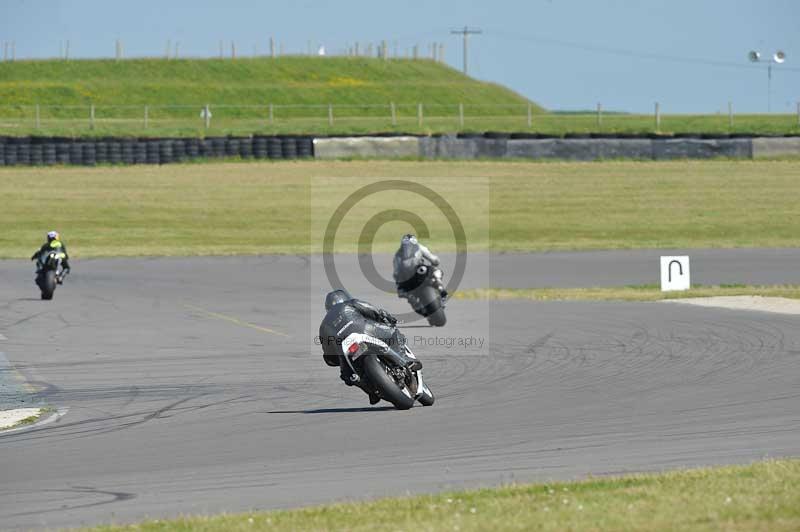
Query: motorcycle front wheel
47	284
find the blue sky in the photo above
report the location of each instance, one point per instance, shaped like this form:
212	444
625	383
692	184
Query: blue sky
565	54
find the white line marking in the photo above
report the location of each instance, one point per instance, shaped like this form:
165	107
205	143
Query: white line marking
58	414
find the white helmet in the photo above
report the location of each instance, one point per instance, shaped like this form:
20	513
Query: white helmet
52	235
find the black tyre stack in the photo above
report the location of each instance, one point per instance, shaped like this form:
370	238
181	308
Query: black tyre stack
76	153
206	148
140	152
49	155
114	151
152	152
193	148
178	150
289	146
274	148
24	151
50	151
305	147
246	148
89	154
165	155
127	147
37	154
101	152
10	153
62	152
260	147
231	147
218	147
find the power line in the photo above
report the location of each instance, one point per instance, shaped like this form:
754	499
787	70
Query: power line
466	32
589	47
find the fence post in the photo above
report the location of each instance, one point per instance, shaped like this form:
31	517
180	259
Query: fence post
38	123
461	114
599	115
530	116
330	115
91	117
272	47
419	114
658	117
207	116
730	115
394	113
146	116
798	113
270	114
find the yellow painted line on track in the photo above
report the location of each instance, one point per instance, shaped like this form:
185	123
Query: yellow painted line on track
237	321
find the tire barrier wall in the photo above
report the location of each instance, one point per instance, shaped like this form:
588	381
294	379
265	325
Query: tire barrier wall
577	147
775	147
383	147
46	151
580	149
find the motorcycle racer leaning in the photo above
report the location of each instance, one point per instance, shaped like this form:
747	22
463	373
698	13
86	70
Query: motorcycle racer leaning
407	262
53	242
346	315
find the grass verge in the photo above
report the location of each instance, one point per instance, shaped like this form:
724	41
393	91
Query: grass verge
626	293
260	208
760	496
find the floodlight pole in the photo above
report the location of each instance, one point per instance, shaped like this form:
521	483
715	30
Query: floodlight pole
465	32
769	87
777	58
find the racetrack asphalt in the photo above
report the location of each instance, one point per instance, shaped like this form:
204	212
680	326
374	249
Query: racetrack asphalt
194	386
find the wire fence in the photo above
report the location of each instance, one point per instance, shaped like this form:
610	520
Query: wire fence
328	118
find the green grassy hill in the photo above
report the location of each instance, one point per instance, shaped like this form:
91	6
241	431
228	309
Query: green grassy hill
239	91
285	80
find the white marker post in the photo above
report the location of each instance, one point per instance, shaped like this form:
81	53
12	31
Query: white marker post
675	273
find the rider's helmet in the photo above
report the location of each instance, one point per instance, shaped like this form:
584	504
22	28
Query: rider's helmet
52	235
408	247
408	238
336	297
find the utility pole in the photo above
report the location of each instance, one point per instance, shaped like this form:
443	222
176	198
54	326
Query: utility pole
465	32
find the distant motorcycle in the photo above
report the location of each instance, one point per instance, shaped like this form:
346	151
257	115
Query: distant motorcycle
367	357
50	272
420	289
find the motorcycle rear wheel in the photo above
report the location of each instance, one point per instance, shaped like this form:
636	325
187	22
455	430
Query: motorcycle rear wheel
376	373
438	319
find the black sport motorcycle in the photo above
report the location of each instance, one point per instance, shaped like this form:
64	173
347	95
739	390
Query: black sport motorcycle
421	290
378	374
50	272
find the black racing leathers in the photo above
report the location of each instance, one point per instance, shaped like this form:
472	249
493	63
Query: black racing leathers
356	316
408	276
